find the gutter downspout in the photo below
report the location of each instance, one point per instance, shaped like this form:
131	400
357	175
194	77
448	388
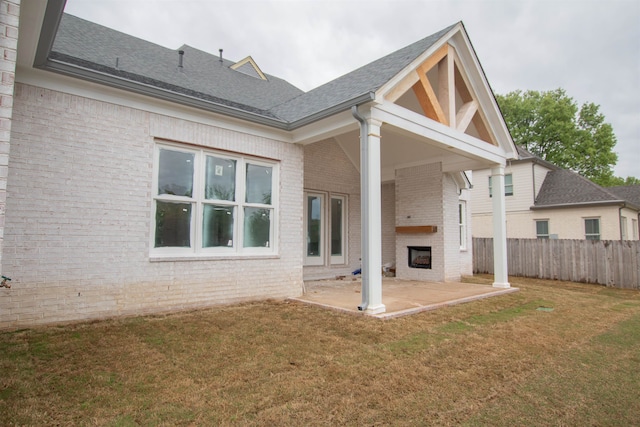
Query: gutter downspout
364	194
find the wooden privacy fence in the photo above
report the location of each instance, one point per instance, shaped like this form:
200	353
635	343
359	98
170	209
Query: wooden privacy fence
606	262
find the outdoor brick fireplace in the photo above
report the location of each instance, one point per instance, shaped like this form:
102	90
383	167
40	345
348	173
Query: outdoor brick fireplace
419	256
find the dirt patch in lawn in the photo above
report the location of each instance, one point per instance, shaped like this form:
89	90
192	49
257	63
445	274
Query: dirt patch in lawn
555	353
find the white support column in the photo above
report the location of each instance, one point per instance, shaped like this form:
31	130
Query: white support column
371	235
500	273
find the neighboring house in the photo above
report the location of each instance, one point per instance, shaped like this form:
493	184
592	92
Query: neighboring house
545	201
144	179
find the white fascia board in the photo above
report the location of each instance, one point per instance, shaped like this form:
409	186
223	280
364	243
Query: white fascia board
420	125
326	128
99	92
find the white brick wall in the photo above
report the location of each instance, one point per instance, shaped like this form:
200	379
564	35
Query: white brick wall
77	226
9	23
419	201
388	223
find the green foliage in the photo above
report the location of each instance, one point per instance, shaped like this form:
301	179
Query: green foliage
552	126
616	180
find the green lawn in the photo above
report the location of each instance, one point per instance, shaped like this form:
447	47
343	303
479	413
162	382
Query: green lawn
555	353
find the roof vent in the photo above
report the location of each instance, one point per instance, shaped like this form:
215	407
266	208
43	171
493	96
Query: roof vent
180	58
220	50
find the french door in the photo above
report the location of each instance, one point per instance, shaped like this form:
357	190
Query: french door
325	224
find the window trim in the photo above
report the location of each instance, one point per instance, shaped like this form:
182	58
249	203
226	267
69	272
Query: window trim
198	201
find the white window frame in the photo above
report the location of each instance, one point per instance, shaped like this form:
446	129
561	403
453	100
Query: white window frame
462	223
542	236
197	201
587	235
623	227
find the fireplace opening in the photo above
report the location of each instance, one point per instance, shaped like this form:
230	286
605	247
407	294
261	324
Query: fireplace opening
419	256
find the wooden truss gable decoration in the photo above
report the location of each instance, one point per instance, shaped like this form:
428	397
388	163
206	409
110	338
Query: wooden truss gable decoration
444	94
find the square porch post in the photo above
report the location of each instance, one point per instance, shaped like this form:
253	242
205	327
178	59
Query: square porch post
500	273
371	231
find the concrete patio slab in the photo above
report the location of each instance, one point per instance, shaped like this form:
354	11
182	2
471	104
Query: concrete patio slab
401	297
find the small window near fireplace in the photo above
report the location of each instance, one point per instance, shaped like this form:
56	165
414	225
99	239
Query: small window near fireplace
419	256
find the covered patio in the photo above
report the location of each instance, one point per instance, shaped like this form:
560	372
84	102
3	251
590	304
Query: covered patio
400	297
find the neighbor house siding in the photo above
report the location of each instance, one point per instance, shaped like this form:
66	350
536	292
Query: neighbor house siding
565	223
78	225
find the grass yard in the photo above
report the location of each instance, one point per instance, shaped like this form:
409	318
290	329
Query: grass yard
555	353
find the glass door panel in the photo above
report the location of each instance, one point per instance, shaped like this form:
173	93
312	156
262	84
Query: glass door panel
338	225
314	226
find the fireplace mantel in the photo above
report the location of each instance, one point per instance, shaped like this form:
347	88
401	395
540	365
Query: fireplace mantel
414	229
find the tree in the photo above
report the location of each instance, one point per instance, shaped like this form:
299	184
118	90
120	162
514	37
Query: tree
552	126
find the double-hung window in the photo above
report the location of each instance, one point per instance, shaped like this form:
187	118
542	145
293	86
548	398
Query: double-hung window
508	185
592	228
542	228
208	202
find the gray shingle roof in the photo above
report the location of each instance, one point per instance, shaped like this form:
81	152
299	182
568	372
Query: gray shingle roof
368	78
99	48
630	193
204	77
564	188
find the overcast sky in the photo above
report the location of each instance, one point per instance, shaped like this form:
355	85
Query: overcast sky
590	48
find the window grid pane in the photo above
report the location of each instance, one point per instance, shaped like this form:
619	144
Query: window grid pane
175	173
220	179
217	226
258	184
173	224
257	227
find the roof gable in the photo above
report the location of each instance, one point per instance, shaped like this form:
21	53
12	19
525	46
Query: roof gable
447	84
